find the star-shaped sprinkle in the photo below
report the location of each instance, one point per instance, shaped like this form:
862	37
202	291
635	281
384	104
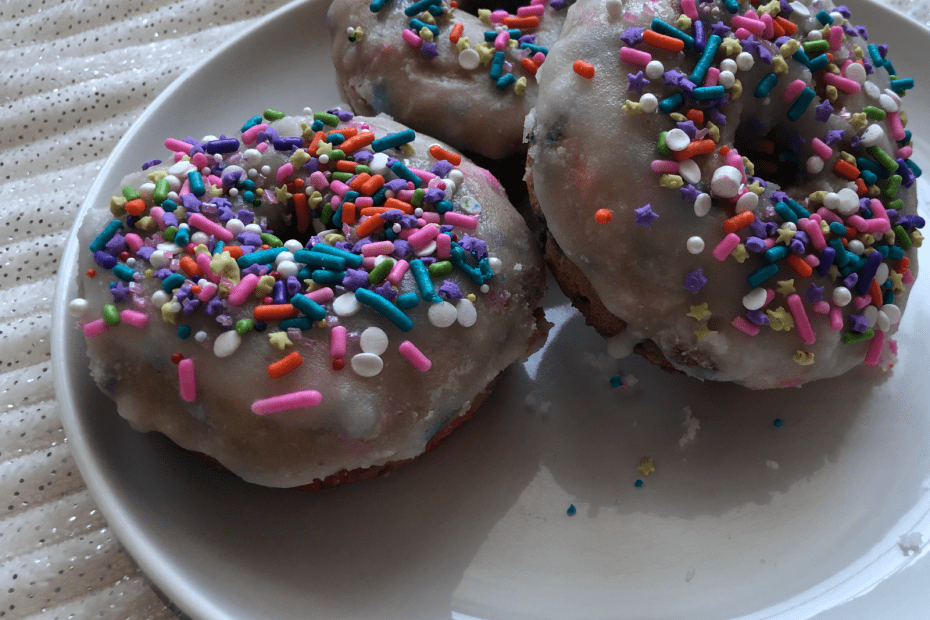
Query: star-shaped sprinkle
689	193
645	216
785	235
859	323
700	312
646	465
756	188
834	136
730	47
673	77
804	358
749	44
120	292
780	319
703	334
785	287
897	284
323	148
779	66
632	36
695	281
721	30
638	81
282	195
279	340
859	120
739	253
917	238
814	293
299	158
824	110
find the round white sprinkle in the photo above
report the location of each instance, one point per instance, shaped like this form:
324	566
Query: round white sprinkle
800	9
848	201
745	61
856	247
747	202
892	312
466	312
227	343
727	79
726	181
456	176
728	64
886	102
649	102
695	245
266	170
200	336
253	157
346	305
841	296
255	228
469	59
160	259
199	238
378	164
702	205
287	268
181	168
689	171
78	307
235	226
856	73
873	135
324	158
871	314
442	314
654	69
146	190
755	299
160	298
495	264
814	165
883	322
367	364
293	245
677	140
283	256
427	249
373	340
881	274
831	201
872	90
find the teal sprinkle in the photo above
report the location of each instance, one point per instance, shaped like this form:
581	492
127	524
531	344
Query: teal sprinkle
418	7
506	80
184	332
261	257
838	229
105	235
707	58
311	257
914	167
406	301
308	307
776	253
875	56
778	423
667	29
124	272
732	6
638	484
252	122
616	381
801	103
785	212
403	172
393	140
497	66
798	209
707	93
175	280
423	281
327	277
535	48
169	205
196	183
417	25
670	103
571	510
902	84
765	86
382	305
376	5
757	277
301	322
824	18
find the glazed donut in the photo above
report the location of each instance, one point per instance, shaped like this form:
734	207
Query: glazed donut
733	184
471	85
355	336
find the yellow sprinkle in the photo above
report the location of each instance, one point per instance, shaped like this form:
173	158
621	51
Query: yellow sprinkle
214	191
736	91
513	43
832	93
314	199
146	223
334	238
485	52
859	120
785	235
471	297
323	148
282	195
817	197
780	319
264	286
773	8
789	48
867	240
750	167
874	191
632	108
824	227
671	181
359	33
321	323
740	253
118	205
646	465
225	266
902	115
834	272
427	17
305	131
756	188
700	312
704	334
299	158
917	238
804	358
731	47
683	23
149	273
785	287
426	34
463	44
897	285
847	156
407	149
678	117
201	249
858	51
779	66
168	315
519	87
713	131
279	340
485	16
156	175
832	68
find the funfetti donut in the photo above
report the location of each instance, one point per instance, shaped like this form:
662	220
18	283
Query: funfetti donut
468	80
353	336
732	181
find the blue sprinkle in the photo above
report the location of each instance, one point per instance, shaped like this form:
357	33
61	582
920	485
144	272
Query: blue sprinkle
184	332
638	484
571	510
778	422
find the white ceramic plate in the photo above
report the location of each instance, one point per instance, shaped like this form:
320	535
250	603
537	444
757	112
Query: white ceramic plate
479	529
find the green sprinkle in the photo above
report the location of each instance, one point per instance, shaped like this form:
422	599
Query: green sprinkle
274	115
161	191
852	337
896	204
326	118
902	238
418	195
110	315
270	240
244	326
130	193
894	184
343	176
440	269
381	271
816	47
876	114
170	233
662	147
886	160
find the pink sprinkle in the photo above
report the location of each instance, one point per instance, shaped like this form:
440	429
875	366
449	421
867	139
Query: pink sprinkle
893	345
261	147
134	241
241	291
769	296
836	318
405	194
829	216
713	76
413	39
206	292
811	260
425	175
363	202
200	160
284	402
894	122
875	348
134	318
844	84
533	9
635	57
539	58
368	263
95	328
397	272
179	146
214	180
769	243
443	246
908	278
500	42
836	37
203	261
664	166
793	89
338	187
812	228
157	214
742	34
249	135
468	222
875	225
337	342
745	325
769	23
801	321
689	8
322	295
414	356
498	16
284	171
378	248
209	227
822	307
177	156
905	152
431	217
725	247
318	181
421	238
187	379
862	301
734	159
821	148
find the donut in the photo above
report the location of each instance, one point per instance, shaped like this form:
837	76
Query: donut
466	80
353	337
728	187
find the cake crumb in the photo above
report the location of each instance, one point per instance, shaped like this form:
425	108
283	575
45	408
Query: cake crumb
772	464
910	542
692	425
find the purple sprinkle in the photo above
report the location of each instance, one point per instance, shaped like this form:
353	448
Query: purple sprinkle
190	305
313	164
834	136
387	291
190	202
268	134
116	244
645	216
150	163
247	237
824	110
786	9
214	306
392	215
279	292
855	142
163	273
558	5
843	10
689	128
850	280
689	193
527	38
441	168
695	281
258	270
673	77
363	157
814	293
434	195
755	245
120	292
720	29
293	286
863	32
396	185
757	317
450	290
859	323
638	81
883	50
286	144
402	249
145	252
632	36
105	260
355	279
245	216
429	50
343	115
477	247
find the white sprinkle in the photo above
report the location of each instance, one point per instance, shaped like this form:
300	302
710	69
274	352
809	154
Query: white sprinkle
367	364
78	307
442	314
755	299
346	305
677	140
841	296
747	202
466	313
227	343
702	205
654	69
649	102
373	340
695	245
469	59
726	181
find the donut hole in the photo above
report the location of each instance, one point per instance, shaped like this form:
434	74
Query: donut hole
775	153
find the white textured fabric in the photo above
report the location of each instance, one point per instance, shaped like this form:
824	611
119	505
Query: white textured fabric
73	77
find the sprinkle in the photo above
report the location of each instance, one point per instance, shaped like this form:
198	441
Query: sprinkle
584	69
645	216
285	365
392	312
663	42
286	402
414	356
187	380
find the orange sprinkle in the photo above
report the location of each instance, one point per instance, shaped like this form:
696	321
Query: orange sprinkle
789	27
369	211
851	232
356	142
302	211
315	141
738	221
799	265
358	181
876	292
663	42
584	69
695	116
845	169
345	165
91	273
861	188
190	267
394	203
348	213
195	289
369	226
275	312
440	153
779	31
345	132
456	33
603	216
299	182
529	66
903	265
372	185
234	251
135	207
523	23
724	150
285	365
698	147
